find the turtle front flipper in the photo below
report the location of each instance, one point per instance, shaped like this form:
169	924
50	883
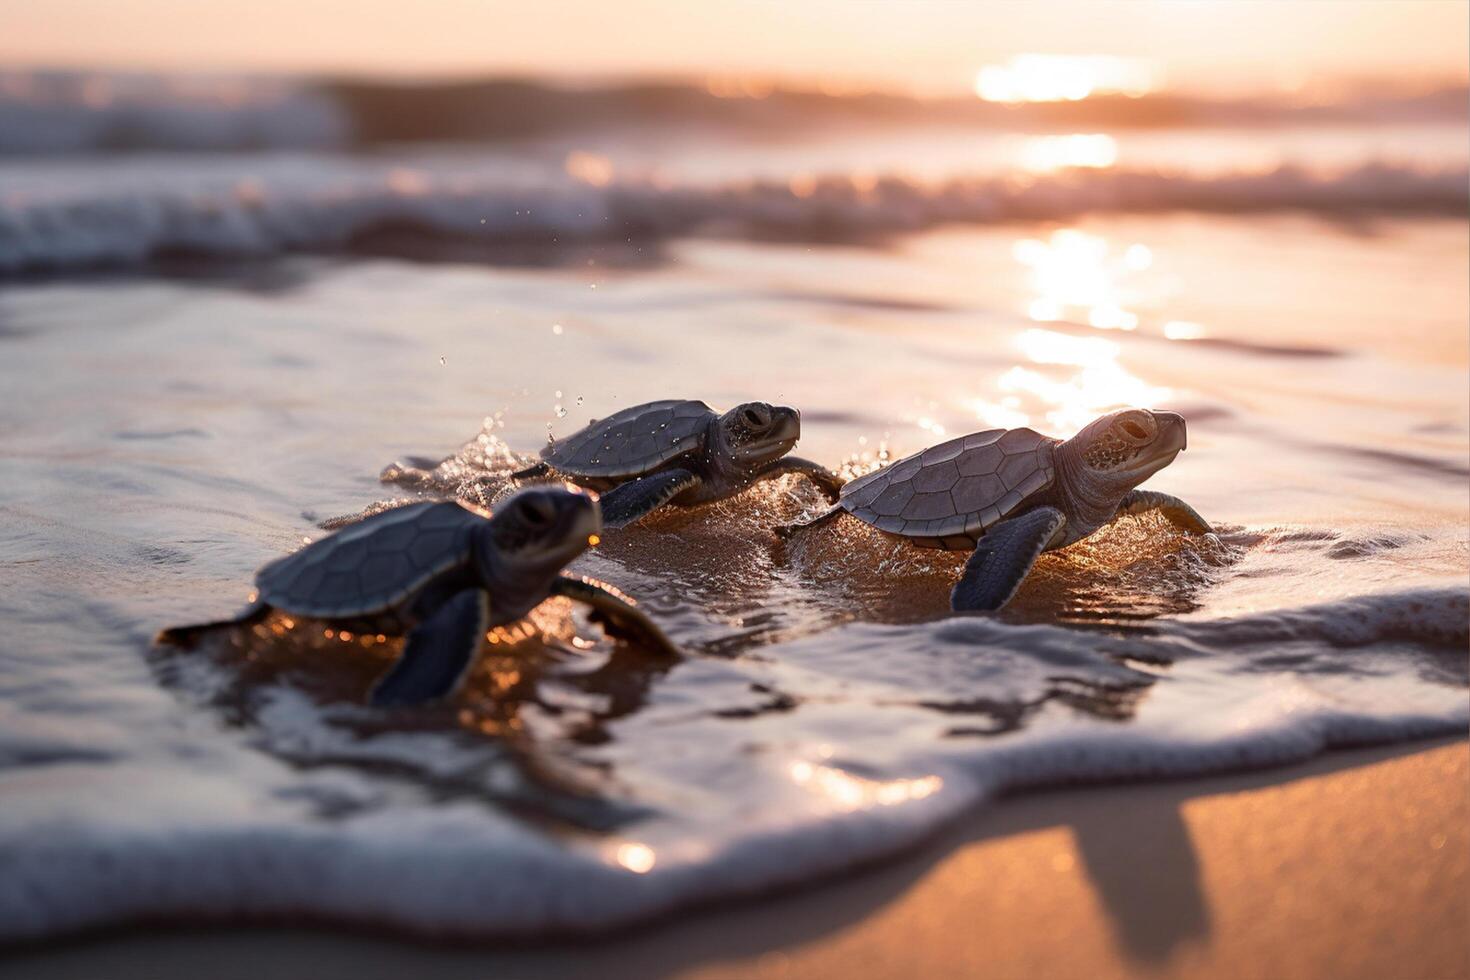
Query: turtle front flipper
187	636
636	499
1003	558
438	652
1174	510
616	614
828	482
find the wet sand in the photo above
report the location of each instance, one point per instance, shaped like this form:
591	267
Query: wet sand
1355	864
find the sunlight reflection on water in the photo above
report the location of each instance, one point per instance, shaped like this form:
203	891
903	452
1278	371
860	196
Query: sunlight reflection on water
1080	277
1058	78
1063	405
1044	154
848	792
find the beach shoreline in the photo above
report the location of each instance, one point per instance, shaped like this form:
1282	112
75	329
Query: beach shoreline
1351	864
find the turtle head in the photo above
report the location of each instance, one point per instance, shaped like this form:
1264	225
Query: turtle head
541	529
1124	448
755	433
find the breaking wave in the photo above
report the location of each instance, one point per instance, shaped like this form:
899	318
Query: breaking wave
337	205
65	112
971	709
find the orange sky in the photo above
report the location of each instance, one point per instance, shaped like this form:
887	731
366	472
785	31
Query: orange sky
927	45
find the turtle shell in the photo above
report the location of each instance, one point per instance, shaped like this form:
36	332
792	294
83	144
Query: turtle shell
949	494
633	442
370	566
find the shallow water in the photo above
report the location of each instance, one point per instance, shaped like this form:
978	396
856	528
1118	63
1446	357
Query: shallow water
168	430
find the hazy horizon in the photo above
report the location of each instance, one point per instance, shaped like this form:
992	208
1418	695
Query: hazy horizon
926	48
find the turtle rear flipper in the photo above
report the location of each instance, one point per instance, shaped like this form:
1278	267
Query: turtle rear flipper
1003	559
187	636
438	652
636	499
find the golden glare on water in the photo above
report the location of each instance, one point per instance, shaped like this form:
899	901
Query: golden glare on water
637	858
1050	347
1063	78
848	792
1079	277
1098	383
407	183
589	168
1044	154
1184	330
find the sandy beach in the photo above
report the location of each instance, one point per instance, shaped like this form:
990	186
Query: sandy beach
1355	864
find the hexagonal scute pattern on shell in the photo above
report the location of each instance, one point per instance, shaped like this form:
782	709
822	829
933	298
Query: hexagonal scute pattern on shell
1014	469
936	477
929	507
949	494
892	501
633	442
371	565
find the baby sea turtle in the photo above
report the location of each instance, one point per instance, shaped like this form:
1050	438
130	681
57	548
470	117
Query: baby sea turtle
1010	494
442	574
681	453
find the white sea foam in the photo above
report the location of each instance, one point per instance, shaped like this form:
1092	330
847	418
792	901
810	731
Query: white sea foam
953	712
82	215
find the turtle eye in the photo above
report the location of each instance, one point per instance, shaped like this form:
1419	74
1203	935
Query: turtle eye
537	512
1135	430
753	418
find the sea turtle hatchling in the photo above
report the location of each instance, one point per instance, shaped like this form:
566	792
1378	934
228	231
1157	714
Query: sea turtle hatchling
679	452
442	574
1010	494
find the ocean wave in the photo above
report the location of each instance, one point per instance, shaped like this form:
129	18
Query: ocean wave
90	112
954	712
346	205
85	113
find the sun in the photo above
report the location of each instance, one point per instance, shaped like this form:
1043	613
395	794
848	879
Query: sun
1063	78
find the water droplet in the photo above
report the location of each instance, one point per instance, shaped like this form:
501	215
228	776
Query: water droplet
441	360
556	329
561	413
558	393
579	399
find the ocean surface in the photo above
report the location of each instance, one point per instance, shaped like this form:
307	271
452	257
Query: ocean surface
236	323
